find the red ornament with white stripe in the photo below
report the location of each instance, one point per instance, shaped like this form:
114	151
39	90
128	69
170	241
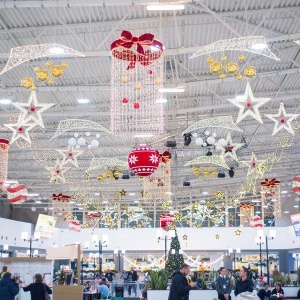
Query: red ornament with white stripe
143	160
17	193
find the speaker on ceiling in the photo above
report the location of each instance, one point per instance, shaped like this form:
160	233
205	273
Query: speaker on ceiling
186	183
170	143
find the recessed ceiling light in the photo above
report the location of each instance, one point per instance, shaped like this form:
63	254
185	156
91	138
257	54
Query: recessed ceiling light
131	194
286	212
5	101
240	96
169	193
136	201
31	195
143	135
83	101
105	201
165	7
172	90
80	207
296	205
259	46
162	100
56	50
283	192
71	202
274	200
97	194
38	201
255	201
258	212
205	193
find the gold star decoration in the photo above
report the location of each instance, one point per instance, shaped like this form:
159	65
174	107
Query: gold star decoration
32	110
209	203
57	172
20	131
85	226
86	176
123	193
283	119
101	178
165	205
249	105
254	165
238	232
195	206
185	237
231	148
70	155
217	236
177	216
219	195
69	216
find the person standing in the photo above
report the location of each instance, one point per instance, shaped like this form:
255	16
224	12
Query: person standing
223	285
4	270
109	275
38	288
135	278
180	288
9	287
244	284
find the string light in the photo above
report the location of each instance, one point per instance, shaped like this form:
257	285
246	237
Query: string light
211	160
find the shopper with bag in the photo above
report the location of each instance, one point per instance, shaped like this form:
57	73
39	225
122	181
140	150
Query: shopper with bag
38	289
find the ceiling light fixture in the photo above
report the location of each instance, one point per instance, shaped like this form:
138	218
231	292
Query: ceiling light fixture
5	101
172	90
141	135
286	212
162	100
240	96
165	7
131	194
169	193
56	50
259	46
83	101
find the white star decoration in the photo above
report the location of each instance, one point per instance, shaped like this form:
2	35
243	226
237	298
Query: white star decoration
57	172
20	131
283	119
249	105
70	155
231	148
254	165
32	110
153	158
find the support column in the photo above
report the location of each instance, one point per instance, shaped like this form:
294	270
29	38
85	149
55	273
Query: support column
227	262
283	261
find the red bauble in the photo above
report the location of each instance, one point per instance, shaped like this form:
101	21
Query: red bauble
32	108
70	154
143	160
150	72
248	104
20	129
125	100
136	105
57	171
282	121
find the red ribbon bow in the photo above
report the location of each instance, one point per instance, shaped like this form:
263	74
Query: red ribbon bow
270	183
92	216
165	157
127	40
61	197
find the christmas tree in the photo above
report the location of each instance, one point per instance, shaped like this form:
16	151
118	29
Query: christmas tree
174	258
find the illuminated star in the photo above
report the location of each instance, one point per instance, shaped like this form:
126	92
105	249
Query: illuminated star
254	165
32	110
282	120
123	193
217	236
238	232
70	156
185	237
219	195
57	172
249	105
20	131
231	148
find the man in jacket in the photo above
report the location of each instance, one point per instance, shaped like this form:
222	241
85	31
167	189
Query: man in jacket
180	288
223	285
9	288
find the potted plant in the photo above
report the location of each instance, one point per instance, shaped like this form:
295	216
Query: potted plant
158	286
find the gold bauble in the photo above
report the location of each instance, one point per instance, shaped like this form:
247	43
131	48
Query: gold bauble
26	82
250	71
239	77
223	57
158	81
64	64
57	71
242	57
232	68
137	86
50	81
210	60
117	174
125	79
42	75
215	67
33	88
36	69
48	63
222	76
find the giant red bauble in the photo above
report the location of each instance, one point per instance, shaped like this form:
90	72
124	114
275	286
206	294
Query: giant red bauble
143	160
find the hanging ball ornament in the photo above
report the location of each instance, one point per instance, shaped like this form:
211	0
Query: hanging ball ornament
137	86
158	80
94	144
32	108
42	74
232	68
242	57
81	141
223	57
33	88
143	160
50	81
98	135
211	140
250	71
296	185
215	67
125	100
26	82
222	76
64	64
57	71
87	133
136	105
199	142
282	121
76	134
222	142
125	79
48	63
239	77
210	60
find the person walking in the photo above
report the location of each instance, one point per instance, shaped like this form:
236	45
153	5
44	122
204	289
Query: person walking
244	284
180	288
223	285
38	289
9	287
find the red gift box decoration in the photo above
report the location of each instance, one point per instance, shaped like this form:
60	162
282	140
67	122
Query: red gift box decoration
166	220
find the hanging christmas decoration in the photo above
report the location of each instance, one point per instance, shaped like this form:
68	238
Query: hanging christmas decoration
137	76
217	236
17	193
57	172
282	120
4	146
98	163
70	156
61	197
296	184
246	213
271	197
205	172
254	165
238	232
214	159
166	220
249	105
75	226
177	217
256	222
143	160
32	110
20	131
27	83
123	193
230	150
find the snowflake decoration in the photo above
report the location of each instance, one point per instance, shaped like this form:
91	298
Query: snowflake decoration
153	158
133	159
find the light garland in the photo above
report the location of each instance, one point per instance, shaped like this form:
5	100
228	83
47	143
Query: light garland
57	172
74	124
97	163
214	159
19	55
4	146
246	43
254	165
271	198
222	122
230	150
20	131
69	155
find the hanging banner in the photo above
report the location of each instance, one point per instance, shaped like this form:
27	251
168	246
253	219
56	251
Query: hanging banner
296	223
45	225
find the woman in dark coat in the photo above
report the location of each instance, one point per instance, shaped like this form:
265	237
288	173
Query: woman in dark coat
9	288
244	284
38	288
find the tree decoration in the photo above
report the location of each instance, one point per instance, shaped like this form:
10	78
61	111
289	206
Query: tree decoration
165	205
166	220
295	185
19	55
230	150
219	195
245	43
238	232
4	146
249	105
70	156
20	131
32	110
17	193
137	76
57	172
217	160
246	212
143	160
174	258
205	172
282	120
271	197
221	122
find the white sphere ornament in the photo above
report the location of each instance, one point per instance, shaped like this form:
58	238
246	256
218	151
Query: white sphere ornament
207	132
211	140
204	144
77	147
195	134
222	142
87	133
214	135
76	134
95	144
199	142
90	147
72	142
81	141
98	135
33	208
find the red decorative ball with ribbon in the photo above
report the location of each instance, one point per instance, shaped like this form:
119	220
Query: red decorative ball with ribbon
143	160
